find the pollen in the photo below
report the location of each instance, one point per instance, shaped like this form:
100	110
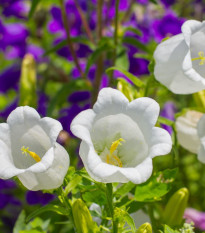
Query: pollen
26	151
114	159
201	58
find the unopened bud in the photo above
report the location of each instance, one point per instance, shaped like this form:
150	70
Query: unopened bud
28	94
174	210
199	98
82	218
145	228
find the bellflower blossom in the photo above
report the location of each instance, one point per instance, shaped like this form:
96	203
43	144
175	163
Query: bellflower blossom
180	59
119	139
186	127
201	134
29	150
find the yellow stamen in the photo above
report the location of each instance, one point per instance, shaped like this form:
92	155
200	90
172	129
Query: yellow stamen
31	153
201	57
113	159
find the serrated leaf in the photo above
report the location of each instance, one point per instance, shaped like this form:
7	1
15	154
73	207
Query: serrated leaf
168	229
72	184
96	196
156	187
137	82
54	208
33	8
124	189
130	222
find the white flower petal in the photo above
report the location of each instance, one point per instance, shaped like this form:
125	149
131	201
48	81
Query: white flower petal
160	142
82	123
201	127
23	116
7	168
110	101
201	153
53	174
144	111
51	127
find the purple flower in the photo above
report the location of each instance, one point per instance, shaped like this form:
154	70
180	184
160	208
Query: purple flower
168	112
168	3
5	113
67	115
193	215
14	8
79	96
9	78
169	25
37	197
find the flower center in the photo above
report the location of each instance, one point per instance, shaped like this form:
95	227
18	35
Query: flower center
201	58
26	151
114	159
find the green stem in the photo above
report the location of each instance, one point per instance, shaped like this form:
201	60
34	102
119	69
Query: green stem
69	41
115	38
109	194
175	149
64	200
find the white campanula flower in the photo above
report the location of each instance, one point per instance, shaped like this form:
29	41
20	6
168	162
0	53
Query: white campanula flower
180	60
119	139
186	127
201	134
28	149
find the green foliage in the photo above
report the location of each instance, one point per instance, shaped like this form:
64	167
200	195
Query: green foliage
137	82
54	208
33	8
156	187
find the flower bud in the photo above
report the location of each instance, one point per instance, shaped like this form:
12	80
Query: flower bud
145	228
82	218
174	210
28	94
199	98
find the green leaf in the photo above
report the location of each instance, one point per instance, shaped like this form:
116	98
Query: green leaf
130	221
165	121
76	179
20	223
122	60
168	229
104	47
57	209
143	55
133	41
95	195
63	43
33	8
134	30
130	76
153	1
124	189
65	91
156	187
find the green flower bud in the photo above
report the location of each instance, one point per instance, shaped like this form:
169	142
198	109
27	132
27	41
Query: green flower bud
145	228
28	94
174	210
82	218
199	98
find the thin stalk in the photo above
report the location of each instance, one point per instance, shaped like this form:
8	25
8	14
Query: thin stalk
109	194
84	21
100	60
115	38
128	12
69	41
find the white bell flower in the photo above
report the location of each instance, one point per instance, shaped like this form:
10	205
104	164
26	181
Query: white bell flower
186	127
201	134
28	149
180	60
119	139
